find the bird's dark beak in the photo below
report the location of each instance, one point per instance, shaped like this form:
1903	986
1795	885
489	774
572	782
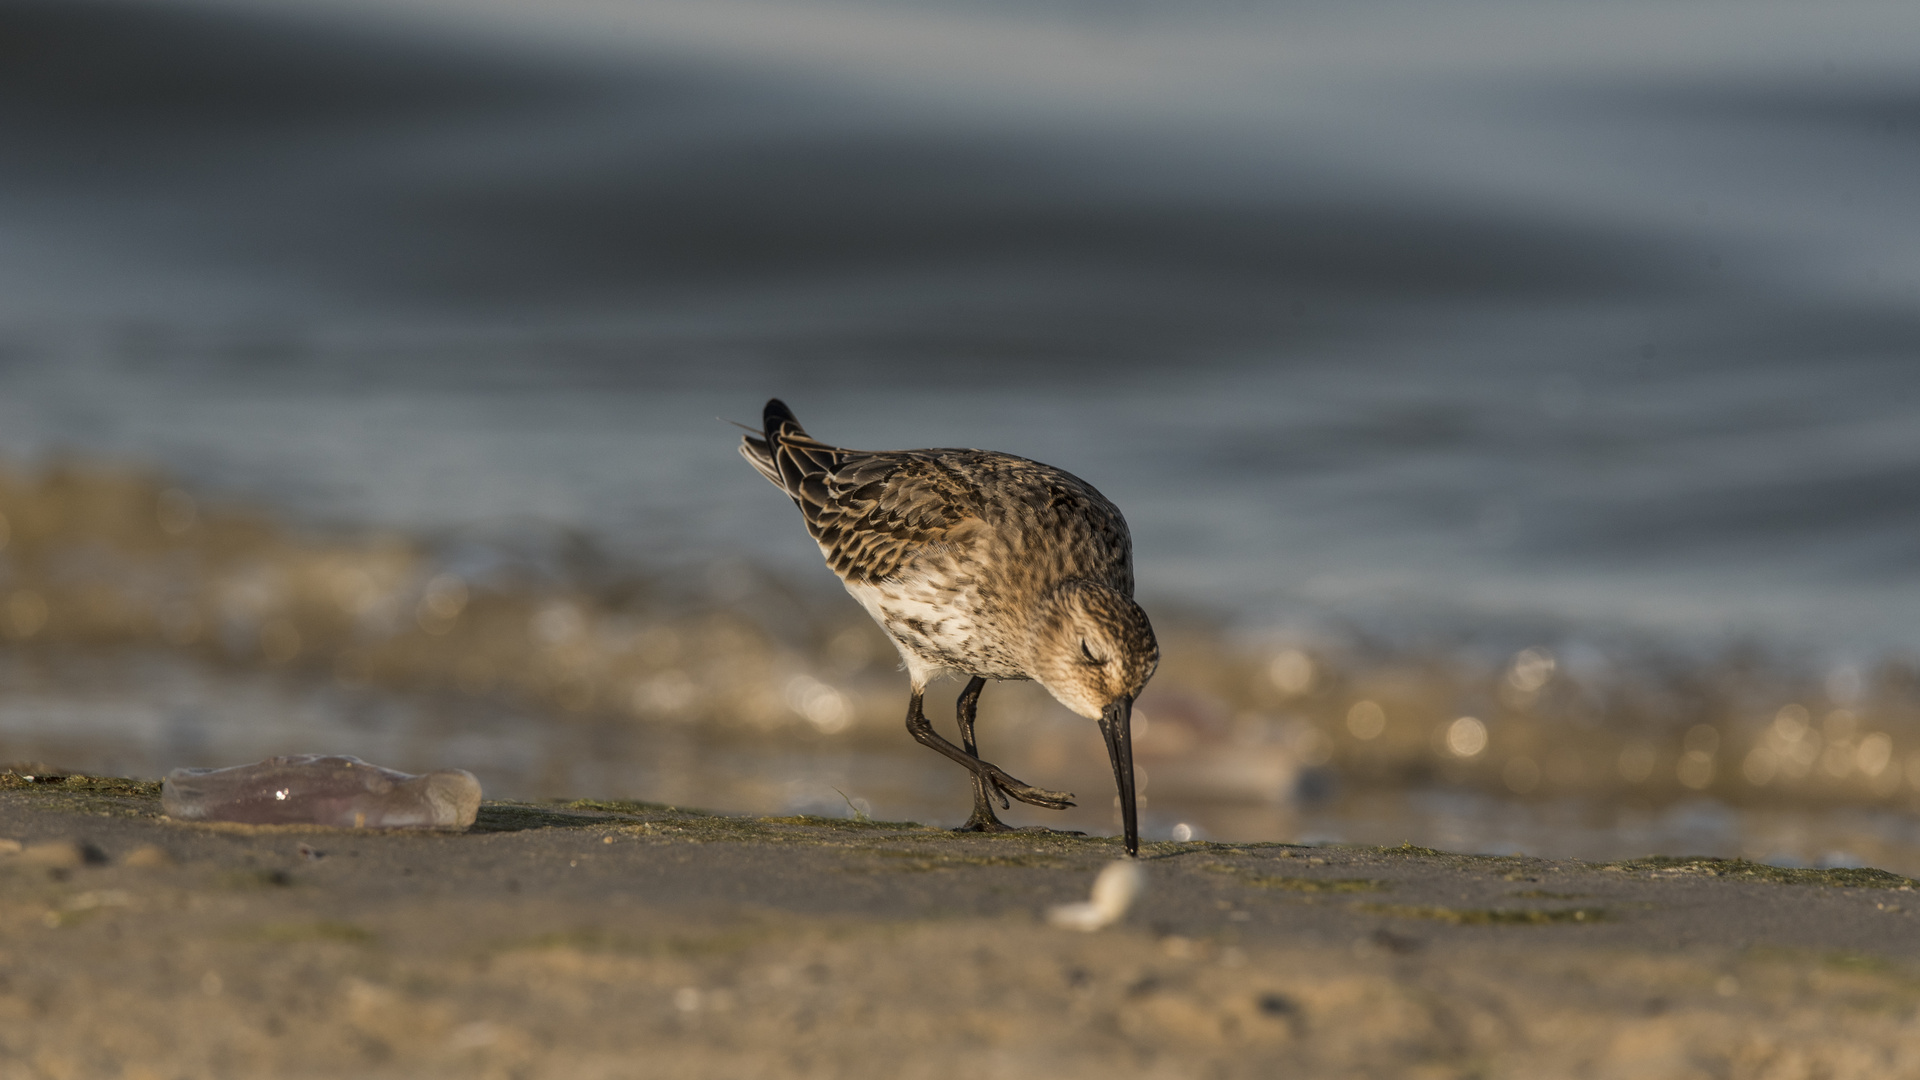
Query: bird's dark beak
1116	723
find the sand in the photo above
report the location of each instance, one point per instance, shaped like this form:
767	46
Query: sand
588	940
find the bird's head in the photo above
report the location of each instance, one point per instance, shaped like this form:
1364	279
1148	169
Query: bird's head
1092	648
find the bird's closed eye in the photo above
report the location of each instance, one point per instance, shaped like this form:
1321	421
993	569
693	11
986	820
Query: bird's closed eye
1088	653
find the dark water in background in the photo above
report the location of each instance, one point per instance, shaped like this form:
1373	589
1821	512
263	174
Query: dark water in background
1535	320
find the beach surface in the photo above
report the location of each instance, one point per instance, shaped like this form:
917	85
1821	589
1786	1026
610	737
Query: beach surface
595	939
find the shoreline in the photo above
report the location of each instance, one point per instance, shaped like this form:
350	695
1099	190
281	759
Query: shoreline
548	677
593	938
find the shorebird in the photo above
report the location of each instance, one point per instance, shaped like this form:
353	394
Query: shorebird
985	565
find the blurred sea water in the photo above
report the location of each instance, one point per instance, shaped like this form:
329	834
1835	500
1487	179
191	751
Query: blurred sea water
1472	325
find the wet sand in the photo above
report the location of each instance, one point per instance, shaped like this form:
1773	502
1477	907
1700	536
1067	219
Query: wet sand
624	939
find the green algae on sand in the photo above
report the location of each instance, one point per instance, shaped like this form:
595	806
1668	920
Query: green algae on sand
101	796
1486	916
1850	877
1293	883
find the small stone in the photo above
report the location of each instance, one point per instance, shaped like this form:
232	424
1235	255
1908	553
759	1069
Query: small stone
315	789
1276	1005
148	856
54	855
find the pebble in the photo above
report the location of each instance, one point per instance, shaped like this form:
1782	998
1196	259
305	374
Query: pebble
148	856
54	855
316	789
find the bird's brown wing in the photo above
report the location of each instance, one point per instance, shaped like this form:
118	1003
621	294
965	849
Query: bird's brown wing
870	512
881	510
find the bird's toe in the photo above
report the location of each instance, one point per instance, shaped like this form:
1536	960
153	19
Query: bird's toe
1033	796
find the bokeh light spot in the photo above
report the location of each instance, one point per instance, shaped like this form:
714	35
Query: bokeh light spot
1530	670
1366	720
1466	737
1291	672
1791	722
1695	769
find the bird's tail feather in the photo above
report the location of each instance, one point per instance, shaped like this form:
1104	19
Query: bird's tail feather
786	455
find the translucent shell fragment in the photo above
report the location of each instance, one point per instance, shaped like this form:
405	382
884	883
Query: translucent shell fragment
1114	891
316	789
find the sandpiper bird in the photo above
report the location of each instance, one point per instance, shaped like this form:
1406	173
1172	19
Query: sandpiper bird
984	564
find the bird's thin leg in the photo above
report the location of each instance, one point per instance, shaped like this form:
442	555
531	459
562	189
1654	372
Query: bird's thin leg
923	733
983	819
